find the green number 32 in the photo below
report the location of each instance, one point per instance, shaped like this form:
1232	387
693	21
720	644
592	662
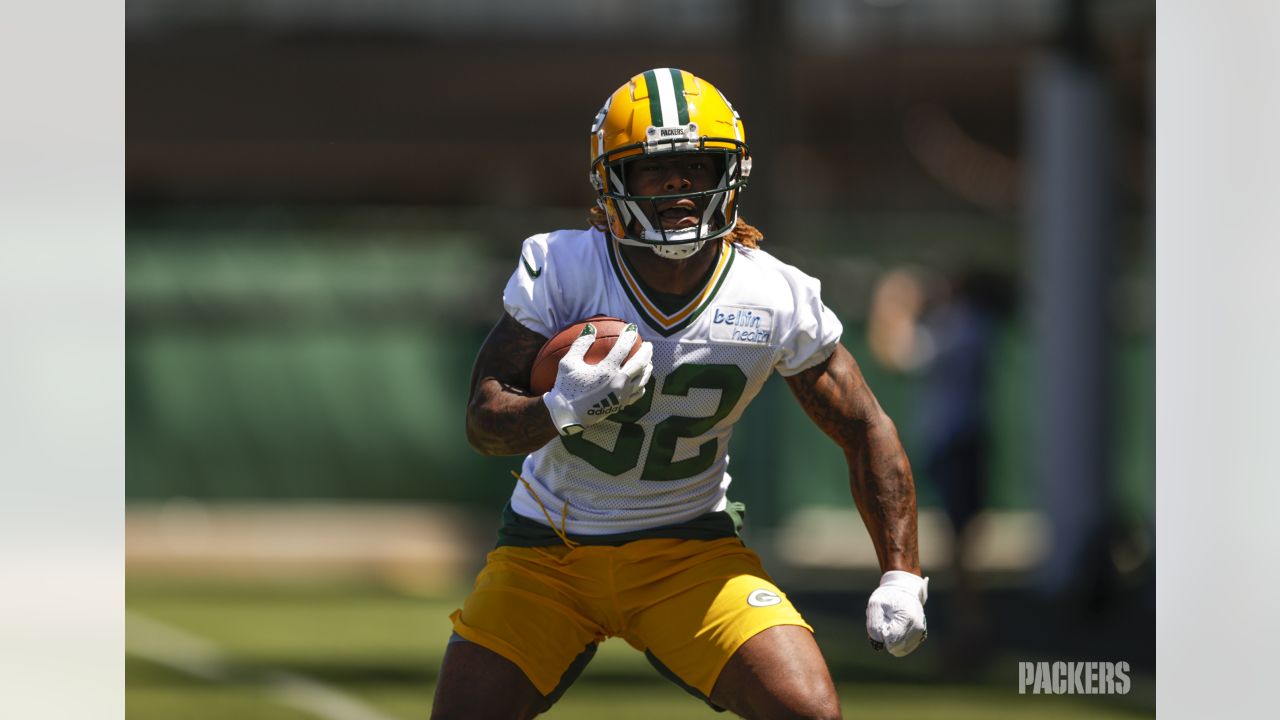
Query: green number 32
659	462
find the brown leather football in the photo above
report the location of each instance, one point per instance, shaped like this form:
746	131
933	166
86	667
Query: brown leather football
547	363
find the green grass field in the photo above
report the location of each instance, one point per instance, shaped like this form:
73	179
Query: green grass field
214	651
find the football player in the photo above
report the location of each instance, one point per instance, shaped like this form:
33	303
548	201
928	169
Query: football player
619	523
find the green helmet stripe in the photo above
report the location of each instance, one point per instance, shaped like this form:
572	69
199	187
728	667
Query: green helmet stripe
666	90
682	107
655	102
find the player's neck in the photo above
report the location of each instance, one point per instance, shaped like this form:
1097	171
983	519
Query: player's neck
674	277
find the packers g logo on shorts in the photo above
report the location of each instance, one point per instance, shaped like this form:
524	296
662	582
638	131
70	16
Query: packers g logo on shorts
763	598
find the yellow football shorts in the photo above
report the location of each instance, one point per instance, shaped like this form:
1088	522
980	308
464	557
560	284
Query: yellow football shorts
687	604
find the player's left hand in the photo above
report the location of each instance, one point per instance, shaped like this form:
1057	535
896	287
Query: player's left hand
895	613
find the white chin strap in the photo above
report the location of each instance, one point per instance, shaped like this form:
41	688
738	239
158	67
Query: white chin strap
673	249
672	237
678	252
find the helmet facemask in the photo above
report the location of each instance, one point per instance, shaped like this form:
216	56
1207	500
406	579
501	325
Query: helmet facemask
718	217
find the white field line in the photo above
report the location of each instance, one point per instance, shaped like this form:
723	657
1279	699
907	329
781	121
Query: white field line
166	645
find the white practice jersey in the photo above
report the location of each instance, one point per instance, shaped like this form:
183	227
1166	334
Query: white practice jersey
664	459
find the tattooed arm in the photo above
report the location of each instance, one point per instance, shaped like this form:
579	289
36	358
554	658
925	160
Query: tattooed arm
836	397
503	416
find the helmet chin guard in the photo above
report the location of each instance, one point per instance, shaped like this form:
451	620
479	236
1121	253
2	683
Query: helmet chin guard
678	252
667	112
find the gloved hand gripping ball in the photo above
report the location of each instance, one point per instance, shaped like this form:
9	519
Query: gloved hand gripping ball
584	392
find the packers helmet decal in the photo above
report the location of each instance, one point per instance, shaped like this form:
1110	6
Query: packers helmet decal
667	111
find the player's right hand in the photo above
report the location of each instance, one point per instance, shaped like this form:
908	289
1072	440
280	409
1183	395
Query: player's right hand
585	394
895	613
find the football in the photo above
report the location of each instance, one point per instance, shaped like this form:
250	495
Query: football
547	363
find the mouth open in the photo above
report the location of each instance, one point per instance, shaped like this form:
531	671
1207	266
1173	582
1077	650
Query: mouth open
678	217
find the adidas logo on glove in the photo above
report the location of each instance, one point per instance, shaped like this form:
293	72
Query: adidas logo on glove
607	406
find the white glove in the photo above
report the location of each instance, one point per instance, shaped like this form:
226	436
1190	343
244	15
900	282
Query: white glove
895	613
586	394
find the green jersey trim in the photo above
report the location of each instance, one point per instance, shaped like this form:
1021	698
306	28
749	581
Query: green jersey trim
669	324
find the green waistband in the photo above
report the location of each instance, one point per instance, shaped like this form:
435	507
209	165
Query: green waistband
520	531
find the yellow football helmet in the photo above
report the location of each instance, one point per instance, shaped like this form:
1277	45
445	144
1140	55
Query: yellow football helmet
667	111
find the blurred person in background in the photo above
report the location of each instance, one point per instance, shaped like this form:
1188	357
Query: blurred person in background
940	327
601	539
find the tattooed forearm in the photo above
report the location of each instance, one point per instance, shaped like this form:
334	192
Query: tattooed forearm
503	417
836	397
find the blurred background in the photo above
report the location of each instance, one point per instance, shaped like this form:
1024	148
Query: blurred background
325	199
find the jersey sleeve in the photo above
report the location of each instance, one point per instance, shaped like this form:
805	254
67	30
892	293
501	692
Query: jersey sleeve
528	295
814	330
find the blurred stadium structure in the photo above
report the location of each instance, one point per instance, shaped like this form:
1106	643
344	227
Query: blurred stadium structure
325	199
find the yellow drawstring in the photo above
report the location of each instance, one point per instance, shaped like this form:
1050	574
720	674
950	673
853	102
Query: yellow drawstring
560	532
